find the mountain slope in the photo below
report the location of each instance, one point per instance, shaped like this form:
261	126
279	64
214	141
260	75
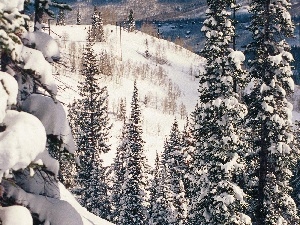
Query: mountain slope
165	72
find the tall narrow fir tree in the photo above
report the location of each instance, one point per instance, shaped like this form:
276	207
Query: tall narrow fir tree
92	135
134	201
173	160
218	157
269	117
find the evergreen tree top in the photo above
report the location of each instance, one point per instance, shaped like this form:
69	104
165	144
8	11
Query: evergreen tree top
135	107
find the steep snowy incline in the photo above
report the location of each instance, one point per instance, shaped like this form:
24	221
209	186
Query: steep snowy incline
162	69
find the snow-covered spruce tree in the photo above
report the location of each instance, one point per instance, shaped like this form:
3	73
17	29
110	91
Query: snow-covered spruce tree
269	116
9	38
173	159
97	26
218	158
134	197
78	18
296	172
21	150
160	196
61	20
92	135
131	21
188	149
119	169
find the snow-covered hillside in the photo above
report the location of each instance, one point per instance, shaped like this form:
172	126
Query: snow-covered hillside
165	66
127	50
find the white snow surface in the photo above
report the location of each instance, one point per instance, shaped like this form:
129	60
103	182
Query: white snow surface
44	43
53	117
8	5
49	162
15	215
51	211
22	140
87	217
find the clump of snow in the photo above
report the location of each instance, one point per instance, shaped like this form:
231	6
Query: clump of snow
11	87
237	58
15	215
8	5
53	117
49	210
238	192
22	140
51	163
245	219
281	221
44	43
35	61
8	93
225	198
232	164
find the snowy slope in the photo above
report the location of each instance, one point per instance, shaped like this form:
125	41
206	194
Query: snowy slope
128	51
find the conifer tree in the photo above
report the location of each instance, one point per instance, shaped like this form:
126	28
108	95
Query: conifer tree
173	159
78	19
188	149
134	197
131	21
61	21
269	116
160	196
296	171
119	168
9	37
92	136
97	26
217	198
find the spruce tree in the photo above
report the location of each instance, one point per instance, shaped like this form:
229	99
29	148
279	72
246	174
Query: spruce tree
78	18
188	149
119	168
131	21
269	117
160	196
61	20
9	37
296	171
134	197
92	136
97	26
218	157
173	159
